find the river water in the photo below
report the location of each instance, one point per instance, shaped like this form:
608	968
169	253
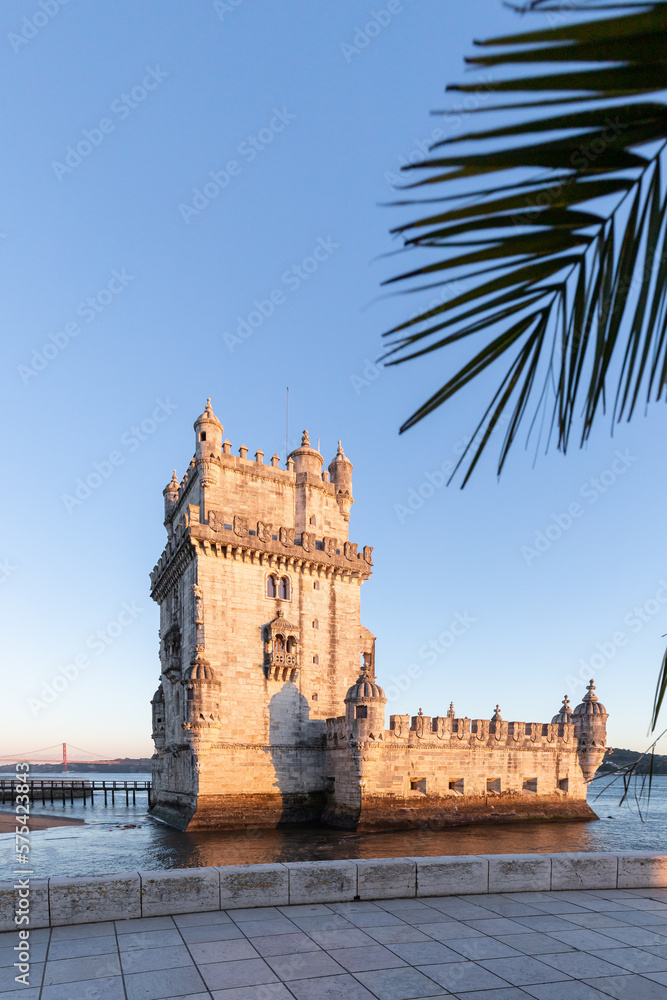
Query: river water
120	837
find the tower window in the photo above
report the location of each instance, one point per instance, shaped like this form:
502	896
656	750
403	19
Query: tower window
202	436
316	658
271	586
284	588
191	694
316	585
313	520
362	712
291	644
279	644
316	624
315	697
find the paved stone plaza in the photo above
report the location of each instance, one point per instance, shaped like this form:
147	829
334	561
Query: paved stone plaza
571	945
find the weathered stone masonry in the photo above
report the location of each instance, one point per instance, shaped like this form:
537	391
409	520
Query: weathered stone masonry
261	645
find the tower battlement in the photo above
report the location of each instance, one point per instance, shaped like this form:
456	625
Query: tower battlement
464	732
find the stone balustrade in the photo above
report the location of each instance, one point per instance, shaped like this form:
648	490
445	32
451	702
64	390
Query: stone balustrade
90	899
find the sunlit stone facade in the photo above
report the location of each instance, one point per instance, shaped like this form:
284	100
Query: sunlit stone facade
262	649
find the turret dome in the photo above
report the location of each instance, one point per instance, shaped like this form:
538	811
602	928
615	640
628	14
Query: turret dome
306	458
208	416
590	704
340	461
199	670
564	714
365	687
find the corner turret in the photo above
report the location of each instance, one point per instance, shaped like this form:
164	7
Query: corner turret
340	474
170	494
208	430
306	459
158	710
590	729
364	706
202	696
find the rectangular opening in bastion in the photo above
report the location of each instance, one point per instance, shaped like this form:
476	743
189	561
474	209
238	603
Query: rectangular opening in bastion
530	784
493	786
456	786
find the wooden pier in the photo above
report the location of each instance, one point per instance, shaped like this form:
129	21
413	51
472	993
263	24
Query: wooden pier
51	790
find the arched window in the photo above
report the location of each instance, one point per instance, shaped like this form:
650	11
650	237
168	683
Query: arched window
316	658
316	585
279	644
284	588
313	520
291	644
316	624
271	586
315	697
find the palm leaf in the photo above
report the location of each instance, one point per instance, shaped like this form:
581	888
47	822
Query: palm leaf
561	228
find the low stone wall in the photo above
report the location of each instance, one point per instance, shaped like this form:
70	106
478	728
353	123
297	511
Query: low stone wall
89	899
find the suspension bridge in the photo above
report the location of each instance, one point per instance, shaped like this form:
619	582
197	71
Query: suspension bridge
53	790
59	753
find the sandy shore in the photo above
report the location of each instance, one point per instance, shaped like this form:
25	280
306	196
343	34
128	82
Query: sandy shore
35	822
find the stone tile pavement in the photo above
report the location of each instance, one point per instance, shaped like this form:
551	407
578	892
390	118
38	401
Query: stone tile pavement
567	945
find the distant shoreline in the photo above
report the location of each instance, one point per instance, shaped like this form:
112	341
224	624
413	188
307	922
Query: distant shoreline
131	765
36	821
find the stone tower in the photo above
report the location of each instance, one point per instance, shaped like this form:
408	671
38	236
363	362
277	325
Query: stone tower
260	632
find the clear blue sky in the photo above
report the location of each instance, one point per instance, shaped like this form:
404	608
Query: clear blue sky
304	135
